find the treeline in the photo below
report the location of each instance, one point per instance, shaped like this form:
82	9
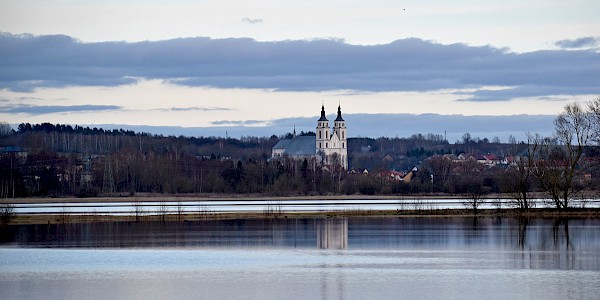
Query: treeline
64	160
48	127
91	141
48	174
127	172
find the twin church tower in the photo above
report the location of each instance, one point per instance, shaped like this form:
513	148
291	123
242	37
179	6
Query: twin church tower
332	146
329	148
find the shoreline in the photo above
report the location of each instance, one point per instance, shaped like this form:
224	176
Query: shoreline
63	218
251	197
217	198
54	219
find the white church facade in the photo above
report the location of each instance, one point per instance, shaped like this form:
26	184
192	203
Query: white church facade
327	146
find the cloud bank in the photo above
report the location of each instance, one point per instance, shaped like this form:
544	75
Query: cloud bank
28	62
209	109
361	125
583	42
51	109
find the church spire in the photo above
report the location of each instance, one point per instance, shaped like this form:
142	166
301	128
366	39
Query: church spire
323	118
339	115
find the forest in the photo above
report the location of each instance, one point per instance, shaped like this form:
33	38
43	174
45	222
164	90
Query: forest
63	160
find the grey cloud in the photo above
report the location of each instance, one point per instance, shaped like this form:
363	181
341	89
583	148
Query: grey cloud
582	42
254	122
526	91
50	109
362	125
29	98
407	124
252	21
239	123
195	109
228	122
301	65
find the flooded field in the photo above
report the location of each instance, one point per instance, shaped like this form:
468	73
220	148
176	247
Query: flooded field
340	258
269	205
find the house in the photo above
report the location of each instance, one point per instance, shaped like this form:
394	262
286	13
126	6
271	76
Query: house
488	160
391	175
14	151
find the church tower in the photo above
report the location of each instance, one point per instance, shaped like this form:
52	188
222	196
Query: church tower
341	139
330	148
339	128
322	132
335	144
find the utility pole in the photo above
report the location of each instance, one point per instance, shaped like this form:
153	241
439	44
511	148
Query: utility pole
201	180
11	176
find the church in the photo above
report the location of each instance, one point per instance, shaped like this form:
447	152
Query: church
326	146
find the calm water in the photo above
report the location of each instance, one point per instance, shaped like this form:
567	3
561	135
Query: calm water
353	258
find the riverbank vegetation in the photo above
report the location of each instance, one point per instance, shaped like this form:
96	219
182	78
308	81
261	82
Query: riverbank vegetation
46	160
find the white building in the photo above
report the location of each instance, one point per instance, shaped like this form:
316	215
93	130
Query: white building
328	147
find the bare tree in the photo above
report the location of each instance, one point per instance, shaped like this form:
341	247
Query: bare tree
138	210
471	183
474	191
180	211
5	129
64	215
557	162
466	138
441	167
6	213
594	117
163	210
204	211
517	179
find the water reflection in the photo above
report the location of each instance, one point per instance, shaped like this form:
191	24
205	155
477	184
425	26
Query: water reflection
332	233
523	222
346	258
529	243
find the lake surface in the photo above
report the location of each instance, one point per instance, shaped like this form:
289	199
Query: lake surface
343	258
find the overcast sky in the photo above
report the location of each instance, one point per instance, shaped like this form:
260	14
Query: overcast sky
251	65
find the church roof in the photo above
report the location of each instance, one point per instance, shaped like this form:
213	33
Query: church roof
323	118
339	115
298	146
282	144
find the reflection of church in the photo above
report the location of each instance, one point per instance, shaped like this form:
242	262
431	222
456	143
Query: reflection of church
328	147
332	234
